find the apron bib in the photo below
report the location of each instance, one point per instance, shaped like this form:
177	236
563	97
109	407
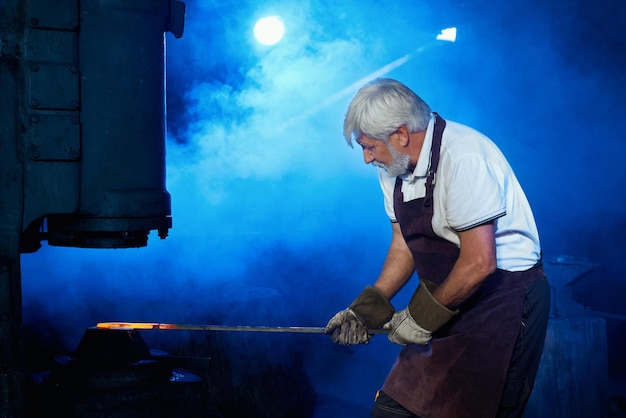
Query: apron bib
461	373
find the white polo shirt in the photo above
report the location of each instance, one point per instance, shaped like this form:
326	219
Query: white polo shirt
474	184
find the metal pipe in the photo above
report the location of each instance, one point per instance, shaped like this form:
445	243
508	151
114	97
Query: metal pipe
201	327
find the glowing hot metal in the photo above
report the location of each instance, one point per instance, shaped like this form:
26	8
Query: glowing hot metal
197	327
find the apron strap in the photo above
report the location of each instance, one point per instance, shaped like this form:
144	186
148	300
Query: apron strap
440	125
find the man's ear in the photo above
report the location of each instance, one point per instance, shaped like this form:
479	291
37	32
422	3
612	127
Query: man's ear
403	136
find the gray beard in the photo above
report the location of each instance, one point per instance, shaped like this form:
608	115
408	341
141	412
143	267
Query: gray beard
398	167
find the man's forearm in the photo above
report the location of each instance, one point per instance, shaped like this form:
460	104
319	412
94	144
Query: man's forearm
477	260
398	267
460	284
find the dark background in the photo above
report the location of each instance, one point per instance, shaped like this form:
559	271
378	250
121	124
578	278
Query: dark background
277	222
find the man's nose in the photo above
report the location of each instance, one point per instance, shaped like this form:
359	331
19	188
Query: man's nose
368	156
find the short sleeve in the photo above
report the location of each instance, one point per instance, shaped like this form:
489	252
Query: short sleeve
474	192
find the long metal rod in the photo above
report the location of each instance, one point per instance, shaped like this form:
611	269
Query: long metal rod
201	327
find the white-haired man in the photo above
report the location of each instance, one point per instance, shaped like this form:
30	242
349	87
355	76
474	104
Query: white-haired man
474	329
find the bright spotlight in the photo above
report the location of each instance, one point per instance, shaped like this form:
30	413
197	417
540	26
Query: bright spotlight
269	30
448	35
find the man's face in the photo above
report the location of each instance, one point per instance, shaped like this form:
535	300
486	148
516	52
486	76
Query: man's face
385	155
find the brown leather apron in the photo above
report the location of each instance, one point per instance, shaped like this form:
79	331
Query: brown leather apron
461	373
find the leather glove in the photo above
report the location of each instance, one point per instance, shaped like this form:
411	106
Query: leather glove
370	310
416	323
347	328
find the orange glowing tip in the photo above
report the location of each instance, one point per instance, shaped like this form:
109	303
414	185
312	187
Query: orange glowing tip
151	325
194	327
128	325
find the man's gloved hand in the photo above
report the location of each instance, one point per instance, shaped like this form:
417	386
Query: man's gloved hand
404	329
416	323
370	310
347	328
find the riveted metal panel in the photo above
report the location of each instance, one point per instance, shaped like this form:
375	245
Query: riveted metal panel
53	86
53	14
54	136
52	46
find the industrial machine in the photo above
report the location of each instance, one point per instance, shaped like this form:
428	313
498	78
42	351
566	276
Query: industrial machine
82	140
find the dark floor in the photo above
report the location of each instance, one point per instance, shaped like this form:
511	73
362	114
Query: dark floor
617	397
